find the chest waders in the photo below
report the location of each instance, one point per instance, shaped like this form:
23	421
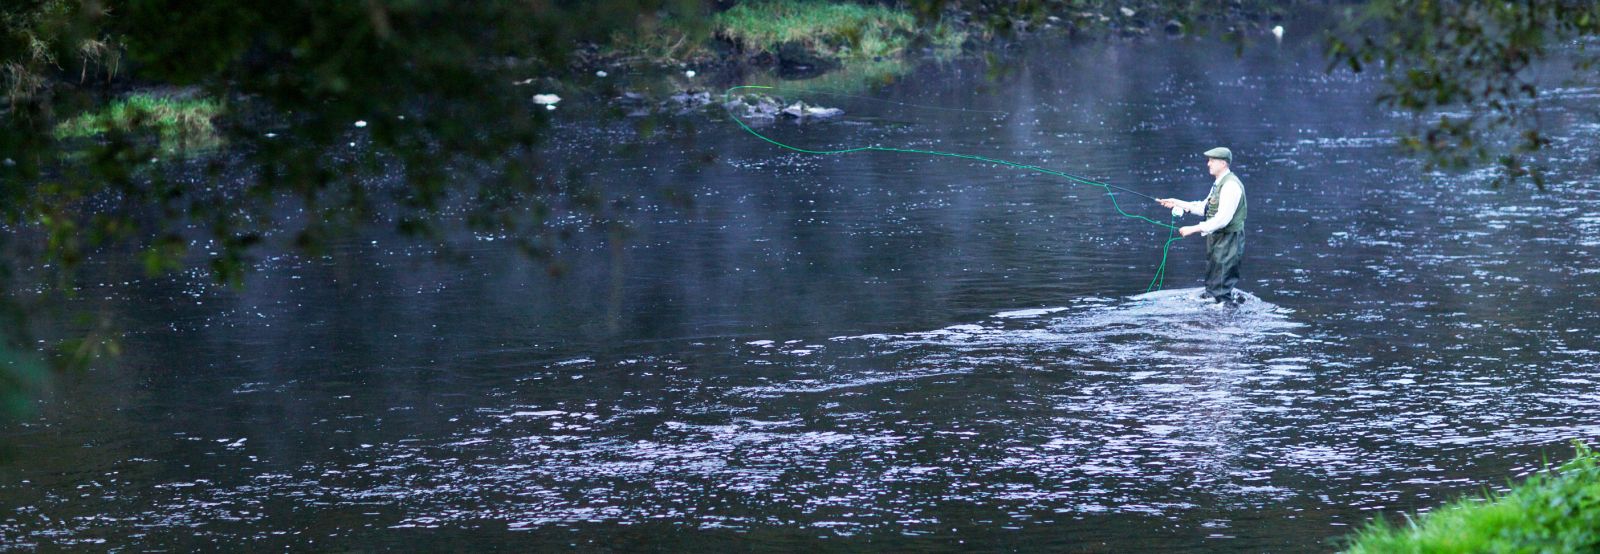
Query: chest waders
1225	247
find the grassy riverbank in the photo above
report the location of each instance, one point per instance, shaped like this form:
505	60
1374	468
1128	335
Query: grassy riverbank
1557	511
180	123
813	32
836	30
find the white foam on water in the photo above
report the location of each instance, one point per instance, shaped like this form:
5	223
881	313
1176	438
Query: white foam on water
1152	335
541	413
872	336
1028	313
840	383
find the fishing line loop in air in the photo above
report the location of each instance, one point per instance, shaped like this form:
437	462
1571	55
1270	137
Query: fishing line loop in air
1161	270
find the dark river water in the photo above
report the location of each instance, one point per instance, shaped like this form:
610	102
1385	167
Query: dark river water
873	350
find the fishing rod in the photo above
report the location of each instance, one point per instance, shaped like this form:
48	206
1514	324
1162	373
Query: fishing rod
1131	191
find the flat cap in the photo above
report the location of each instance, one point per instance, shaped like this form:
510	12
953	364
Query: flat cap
1220	153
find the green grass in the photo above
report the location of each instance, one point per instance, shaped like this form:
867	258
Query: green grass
1556	511
836	30
181	124
849	78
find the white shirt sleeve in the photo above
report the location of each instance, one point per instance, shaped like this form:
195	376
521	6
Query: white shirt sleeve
1227	203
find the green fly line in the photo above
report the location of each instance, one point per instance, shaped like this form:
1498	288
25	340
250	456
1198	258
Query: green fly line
1161	271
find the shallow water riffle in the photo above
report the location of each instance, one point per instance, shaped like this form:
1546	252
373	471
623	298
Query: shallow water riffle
873	350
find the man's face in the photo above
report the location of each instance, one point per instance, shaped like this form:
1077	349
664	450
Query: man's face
1217	166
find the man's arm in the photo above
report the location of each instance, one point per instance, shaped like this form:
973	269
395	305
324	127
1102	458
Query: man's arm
1196	207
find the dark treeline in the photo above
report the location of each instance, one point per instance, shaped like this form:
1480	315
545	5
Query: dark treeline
396	113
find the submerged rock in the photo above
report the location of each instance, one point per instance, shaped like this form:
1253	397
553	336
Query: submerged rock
801	110
689	100
634	104
761	107
754	106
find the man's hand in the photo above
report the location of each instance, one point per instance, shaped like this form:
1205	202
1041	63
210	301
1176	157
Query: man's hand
1168	203
1190	230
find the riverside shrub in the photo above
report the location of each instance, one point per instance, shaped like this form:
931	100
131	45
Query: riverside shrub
1554	511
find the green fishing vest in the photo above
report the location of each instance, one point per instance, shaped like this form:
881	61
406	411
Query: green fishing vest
1237	224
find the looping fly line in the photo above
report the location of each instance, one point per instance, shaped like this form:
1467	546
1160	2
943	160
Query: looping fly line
1161	270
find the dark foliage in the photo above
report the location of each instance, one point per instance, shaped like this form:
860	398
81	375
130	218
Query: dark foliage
1476	54
442	90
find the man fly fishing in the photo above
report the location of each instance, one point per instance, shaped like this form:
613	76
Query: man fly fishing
1224	209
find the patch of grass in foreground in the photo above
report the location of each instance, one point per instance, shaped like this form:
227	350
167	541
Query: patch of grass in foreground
1556	511
830	29
180	123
